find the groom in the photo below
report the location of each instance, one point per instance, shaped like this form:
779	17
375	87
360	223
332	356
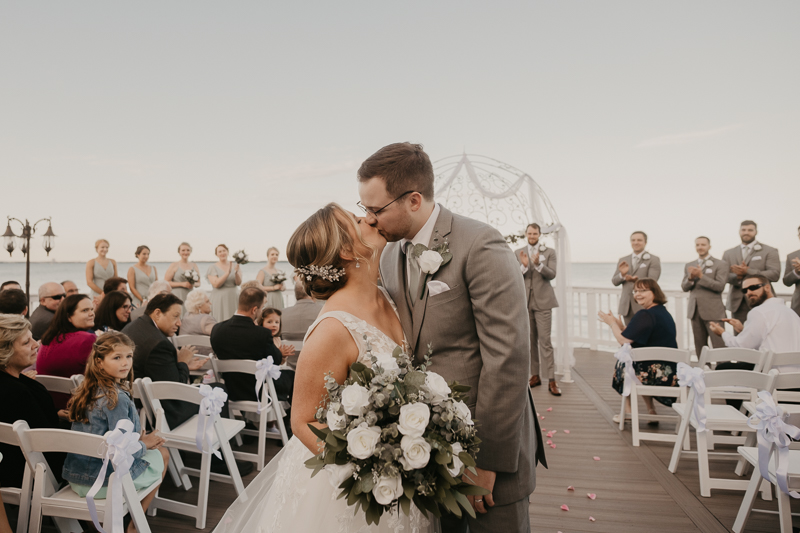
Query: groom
472	313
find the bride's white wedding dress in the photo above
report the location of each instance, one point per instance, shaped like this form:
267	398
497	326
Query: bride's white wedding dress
285	498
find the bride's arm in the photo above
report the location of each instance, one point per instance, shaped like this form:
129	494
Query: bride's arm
330	348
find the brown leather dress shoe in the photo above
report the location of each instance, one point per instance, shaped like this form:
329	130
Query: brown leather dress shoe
554	390
534	381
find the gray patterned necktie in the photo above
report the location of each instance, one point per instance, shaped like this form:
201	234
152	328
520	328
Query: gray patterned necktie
413	272
634	265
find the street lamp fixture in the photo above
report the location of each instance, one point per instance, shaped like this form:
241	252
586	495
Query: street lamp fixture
24	237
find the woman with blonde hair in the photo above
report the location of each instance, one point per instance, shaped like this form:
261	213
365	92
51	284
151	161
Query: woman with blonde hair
177	273
338	256
264	278
224	276
198	319
141	275
99	269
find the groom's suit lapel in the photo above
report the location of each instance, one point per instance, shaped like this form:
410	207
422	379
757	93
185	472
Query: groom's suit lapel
440	231
395	276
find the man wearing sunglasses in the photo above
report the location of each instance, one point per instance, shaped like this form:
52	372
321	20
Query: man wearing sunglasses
50	296
770	326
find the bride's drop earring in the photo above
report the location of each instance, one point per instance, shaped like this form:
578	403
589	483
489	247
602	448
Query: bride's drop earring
358	265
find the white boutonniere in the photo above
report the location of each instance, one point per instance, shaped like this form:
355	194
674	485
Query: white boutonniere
646	256
709	262
757	247
431	260
542	247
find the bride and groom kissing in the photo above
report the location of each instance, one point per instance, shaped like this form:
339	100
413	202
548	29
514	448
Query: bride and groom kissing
466	302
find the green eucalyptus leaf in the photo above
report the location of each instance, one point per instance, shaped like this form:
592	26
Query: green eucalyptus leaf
471	490
321	433
464	502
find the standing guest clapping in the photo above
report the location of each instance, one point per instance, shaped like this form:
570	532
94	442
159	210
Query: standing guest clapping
750	258
114	312
99	269
538	264
704	279
638	265
274	290
67	343
792	276
141	275
224	276
178	271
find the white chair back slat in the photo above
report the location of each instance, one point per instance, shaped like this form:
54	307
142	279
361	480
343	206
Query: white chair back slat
743	355
170	390
17	496
673	355
57	383
781	359
747	379
201	341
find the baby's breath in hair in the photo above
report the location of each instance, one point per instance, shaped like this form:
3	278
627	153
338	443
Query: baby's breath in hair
327	272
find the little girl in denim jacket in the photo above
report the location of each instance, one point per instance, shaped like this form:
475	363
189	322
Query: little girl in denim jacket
97	405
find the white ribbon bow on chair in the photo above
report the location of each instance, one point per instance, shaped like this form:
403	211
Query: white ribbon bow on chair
772	430
693	377
265	367
120	447
623	355
211	405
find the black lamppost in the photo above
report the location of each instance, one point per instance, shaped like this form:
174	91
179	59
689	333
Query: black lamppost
25	244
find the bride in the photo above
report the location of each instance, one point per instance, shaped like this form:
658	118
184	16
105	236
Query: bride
284	497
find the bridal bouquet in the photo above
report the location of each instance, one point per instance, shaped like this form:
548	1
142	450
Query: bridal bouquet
397	434
241	257
191	275
278	278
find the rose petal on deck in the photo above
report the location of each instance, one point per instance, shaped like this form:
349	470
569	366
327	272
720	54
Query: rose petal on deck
564	507
566	431
570	488
553	445
591	495
596	458
591	519
541	418
549	409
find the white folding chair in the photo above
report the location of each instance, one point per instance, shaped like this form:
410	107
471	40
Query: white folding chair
783	361
750	454
652	354
57	383
12	495
199	341
712	356
48	500
183	438
718	418
271	408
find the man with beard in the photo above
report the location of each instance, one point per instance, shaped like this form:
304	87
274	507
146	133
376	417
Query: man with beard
750	258
770	326
791	277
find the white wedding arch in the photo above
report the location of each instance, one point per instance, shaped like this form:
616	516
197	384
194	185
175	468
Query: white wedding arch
509	199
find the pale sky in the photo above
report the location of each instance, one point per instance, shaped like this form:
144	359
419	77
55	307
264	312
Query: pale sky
158	122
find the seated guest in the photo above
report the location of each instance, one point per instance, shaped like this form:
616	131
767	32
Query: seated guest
50	296
251	283
240	338
13	302
198	319
114	312
10	285
296	319
157	287
21	397
70	287
271	319
770	326
115	284
66	344
155	357
650	326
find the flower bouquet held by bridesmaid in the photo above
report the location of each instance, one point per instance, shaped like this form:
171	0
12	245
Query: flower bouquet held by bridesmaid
183	275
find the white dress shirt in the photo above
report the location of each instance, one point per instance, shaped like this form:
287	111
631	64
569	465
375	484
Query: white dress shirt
770	327
423	236
532	250
747	249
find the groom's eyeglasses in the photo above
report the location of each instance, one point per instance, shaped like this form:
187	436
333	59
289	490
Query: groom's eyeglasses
368	211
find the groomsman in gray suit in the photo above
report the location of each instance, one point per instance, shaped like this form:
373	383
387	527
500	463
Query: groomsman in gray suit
538	264
748	259
792	276
471	310
639	264
705	279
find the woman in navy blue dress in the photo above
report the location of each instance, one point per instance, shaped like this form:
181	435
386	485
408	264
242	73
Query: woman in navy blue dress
650	326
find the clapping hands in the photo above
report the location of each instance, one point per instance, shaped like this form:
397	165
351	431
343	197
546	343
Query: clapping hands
152	441
796	265
610	319
695	272
624	268
740	270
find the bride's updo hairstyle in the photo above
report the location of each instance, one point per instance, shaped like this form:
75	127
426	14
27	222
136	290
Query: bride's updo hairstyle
319	242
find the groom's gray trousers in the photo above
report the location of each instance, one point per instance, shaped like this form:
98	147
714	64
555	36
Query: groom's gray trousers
514	513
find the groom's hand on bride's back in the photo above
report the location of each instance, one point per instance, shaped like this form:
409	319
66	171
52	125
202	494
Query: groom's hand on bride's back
485	479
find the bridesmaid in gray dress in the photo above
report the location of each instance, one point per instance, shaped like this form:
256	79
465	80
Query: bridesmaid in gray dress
99	269
141	276
181	285
274	290
224	276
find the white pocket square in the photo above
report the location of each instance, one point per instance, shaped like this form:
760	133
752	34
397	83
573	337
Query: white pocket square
437	287
642	265
709	271
756	258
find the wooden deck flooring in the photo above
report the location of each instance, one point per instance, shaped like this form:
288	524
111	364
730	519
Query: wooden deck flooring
635	491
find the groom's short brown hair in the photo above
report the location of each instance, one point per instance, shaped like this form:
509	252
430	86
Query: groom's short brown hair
403	166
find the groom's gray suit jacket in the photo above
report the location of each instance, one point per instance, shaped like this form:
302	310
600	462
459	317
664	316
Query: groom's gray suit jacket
479	333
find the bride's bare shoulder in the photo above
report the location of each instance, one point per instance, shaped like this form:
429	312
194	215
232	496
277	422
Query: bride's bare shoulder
329	334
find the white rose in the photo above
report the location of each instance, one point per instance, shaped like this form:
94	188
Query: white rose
429	261
354	399
388	364
337	474
387	490
335	420
362	440
463	412
416	452
646	256
709	262
757	247
413	419
455	470
437	386
542	247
